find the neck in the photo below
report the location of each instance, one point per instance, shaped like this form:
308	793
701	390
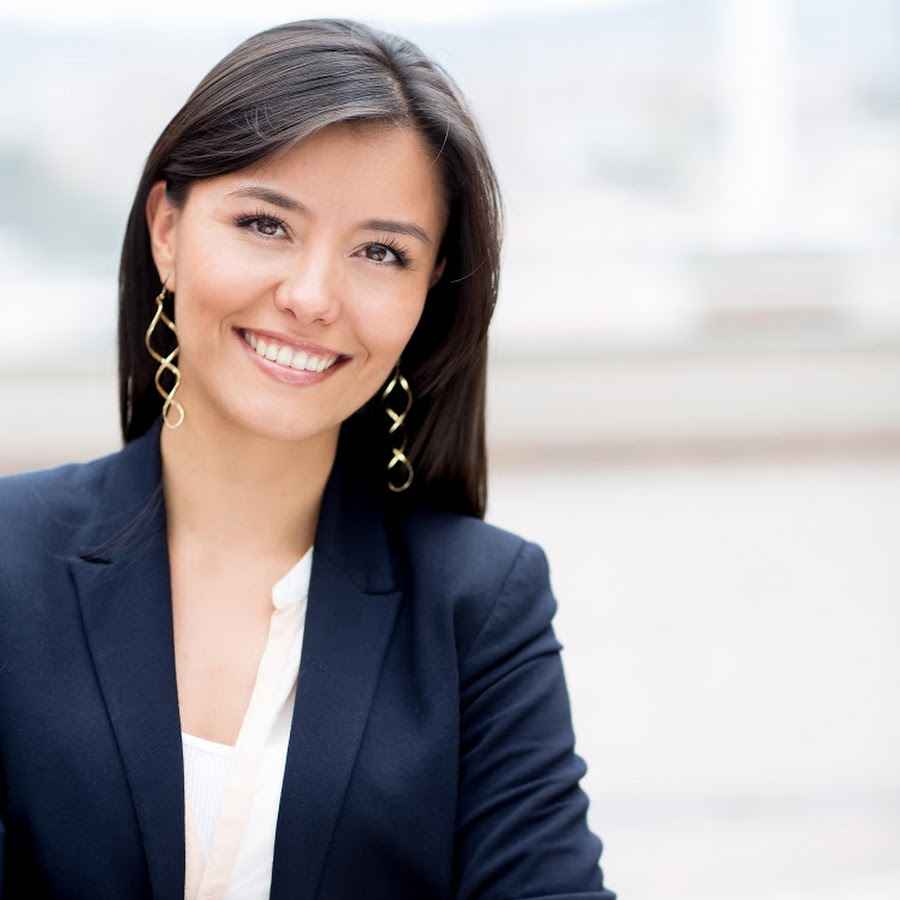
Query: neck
231	491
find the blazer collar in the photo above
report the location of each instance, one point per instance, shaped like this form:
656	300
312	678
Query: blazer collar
130	509
121	574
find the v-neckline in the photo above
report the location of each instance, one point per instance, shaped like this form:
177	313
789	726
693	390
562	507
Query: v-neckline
274	682
118	564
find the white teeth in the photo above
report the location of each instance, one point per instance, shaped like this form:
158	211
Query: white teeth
287	356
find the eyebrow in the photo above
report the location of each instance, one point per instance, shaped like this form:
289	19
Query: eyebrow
276	198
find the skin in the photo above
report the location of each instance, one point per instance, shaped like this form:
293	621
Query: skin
243	475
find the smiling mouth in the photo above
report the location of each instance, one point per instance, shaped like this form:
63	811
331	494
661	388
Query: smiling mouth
290	374
286	356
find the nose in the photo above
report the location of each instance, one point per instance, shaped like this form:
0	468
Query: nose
310	291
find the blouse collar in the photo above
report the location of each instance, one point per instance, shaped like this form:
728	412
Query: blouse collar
293	586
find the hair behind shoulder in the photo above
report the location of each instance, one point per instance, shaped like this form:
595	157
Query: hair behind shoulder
273	90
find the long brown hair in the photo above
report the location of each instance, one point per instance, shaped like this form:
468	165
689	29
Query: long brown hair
274	89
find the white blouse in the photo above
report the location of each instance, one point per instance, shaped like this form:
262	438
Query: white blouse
232	793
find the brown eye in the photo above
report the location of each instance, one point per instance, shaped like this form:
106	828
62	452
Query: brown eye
382	248
268	227
265	225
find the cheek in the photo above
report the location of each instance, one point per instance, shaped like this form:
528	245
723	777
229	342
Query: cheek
386	320
215	283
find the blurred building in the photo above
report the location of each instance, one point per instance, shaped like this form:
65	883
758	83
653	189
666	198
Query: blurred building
703	204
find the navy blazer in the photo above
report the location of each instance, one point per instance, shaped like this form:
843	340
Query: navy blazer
431	749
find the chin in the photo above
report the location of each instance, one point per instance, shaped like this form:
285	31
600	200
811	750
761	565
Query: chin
288	427
275	423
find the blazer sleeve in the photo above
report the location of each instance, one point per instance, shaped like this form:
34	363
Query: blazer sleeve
522	817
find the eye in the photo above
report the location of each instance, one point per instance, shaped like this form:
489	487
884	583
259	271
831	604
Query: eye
389	245
267	224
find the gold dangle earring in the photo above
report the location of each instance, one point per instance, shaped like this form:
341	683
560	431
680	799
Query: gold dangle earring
397	419
165	362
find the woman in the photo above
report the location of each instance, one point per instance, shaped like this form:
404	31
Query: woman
270	647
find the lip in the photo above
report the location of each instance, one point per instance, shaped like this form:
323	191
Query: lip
283	373
285	340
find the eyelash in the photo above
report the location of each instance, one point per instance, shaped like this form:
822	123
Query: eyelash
245	221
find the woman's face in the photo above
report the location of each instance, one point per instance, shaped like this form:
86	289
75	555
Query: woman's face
328	249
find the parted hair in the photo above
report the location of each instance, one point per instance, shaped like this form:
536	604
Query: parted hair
273	90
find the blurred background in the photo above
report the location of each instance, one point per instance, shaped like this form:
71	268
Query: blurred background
695	387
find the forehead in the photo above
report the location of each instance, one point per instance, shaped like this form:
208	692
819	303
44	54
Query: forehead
354	170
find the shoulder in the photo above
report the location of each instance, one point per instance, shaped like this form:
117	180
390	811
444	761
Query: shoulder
44	506
474	572
458	549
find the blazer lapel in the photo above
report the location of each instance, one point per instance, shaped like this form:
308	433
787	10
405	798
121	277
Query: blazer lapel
124	590
352	606
121	573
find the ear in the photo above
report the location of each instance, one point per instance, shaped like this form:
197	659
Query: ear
162	222
437	272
